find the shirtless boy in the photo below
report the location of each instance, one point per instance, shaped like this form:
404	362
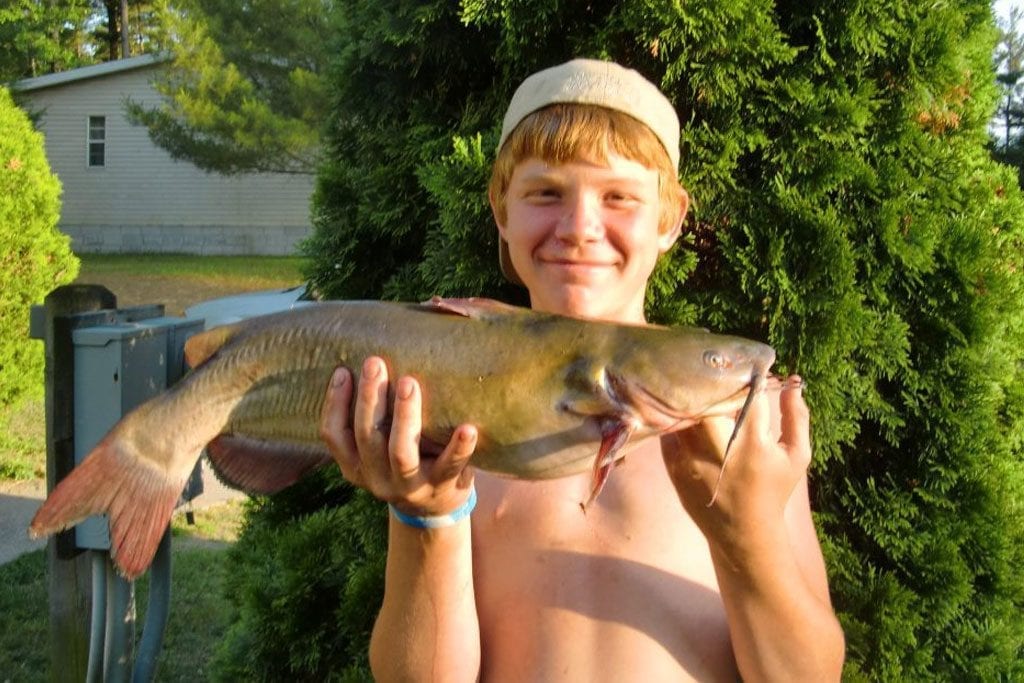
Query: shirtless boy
586	198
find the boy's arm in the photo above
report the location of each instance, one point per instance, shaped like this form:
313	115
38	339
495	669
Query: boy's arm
427	628
766	553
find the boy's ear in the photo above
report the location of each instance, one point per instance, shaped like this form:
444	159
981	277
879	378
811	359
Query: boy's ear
498	219
669	237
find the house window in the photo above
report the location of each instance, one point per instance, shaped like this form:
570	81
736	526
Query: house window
97	140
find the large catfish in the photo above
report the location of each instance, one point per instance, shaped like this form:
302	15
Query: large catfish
550	396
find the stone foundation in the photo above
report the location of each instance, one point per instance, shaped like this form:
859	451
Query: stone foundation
204	240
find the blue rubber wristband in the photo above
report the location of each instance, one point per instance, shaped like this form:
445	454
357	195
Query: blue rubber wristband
437	521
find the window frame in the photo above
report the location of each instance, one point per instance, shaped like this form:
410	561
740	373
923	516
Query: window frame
98	144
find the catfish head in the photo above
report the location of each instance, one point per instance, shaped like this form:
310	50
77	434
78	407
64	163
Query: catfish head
673	378
658	380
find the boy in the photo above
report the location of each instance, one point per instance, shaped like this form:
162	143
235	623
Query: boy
586	197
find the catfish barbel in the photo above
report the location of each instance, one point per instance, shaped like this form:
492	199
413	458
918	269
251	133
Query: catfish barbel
550	396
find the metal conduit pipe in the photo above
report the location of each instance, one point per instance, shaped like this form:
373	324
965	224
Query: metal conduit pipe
94	672
120	626
157	611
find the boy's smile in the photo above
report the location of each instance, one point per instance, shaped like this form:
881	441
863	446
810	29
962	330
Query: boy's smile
584	236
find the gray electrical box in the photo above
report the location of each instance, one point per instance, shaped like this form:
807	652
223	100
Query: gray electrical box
118	367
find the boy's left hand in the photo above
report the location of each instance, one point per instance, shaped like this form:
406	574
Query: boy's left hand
768	458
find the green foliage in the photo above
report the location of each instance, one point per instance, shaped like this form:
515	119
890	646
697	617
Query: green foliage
846	211
407	77
306	586
244	90
37	37
109	28
36	257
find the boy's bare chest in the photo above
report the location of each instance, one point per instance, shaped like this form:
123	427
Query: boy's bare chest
626	584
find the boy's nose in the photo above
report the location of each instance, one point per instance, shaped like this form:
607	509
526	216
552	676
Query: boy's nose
581	221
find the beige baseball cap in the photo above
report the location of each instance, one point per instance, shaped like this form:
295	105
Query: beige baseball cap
599	83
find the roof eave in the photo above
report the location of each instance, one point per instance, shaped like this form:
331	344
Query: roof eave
87	72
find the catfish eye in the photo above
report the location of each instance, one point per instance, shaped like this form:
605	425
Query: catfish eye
717	360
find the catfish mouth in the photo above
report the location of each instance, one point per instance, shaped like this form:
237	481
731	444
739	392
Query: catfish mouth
656	412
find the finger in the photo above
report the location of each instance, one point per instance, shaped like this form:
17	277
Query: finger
406	426
455	456
370	416
795	421
334	427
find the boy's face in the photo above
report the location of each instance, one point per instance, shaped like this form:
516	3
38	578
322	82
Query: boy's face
584	236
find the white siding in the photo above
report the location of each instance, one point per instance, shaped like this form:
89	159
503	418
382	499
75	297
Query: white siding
142	199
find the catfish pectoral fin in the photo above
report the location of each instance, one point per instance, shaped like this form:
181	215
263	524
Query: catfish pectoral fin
138	497
615	433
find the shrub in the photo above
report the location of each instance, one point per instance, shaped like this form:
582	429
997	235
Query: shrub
35	257
847	212
305	586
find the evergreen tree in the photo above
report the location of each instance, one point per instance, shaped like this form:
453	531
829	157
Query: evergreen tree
42	36
39	37
36	257
112	19
244	90
847	212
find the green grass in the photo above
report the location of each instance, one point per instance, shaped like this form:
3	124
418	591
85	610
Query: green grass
199	612
243	270
23	440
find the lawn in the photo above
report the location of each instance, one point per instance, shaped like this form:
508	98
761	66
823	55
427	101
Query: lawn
199	612
178	281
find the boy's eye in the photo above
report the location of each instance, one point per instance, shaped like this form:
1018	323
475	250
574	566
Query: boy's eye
619	198
543	194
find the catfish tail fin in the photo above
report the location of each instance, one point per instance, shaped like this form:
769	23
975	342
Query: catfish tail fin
137	495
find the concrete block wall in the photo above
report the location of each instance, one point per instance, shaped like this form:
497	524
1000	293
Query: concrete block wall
224	240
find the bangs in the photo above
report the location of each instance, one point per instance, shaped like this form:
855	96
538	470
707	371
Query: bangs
561	133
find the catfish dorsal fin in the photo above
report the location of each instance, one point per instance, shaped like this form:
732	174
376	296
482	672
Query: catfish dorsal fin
477	308
199	347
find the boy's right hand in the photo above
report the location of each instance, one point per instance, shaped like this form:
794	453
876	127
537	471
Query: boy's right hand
386	461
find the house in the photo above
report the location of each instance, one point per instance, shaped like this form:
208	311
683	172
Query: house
122	193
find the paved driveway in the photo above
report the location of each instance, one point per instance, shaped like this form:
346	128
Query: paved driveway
19	500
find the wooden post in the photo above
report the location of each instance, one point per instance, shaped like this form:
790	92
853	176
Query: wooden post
69	569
